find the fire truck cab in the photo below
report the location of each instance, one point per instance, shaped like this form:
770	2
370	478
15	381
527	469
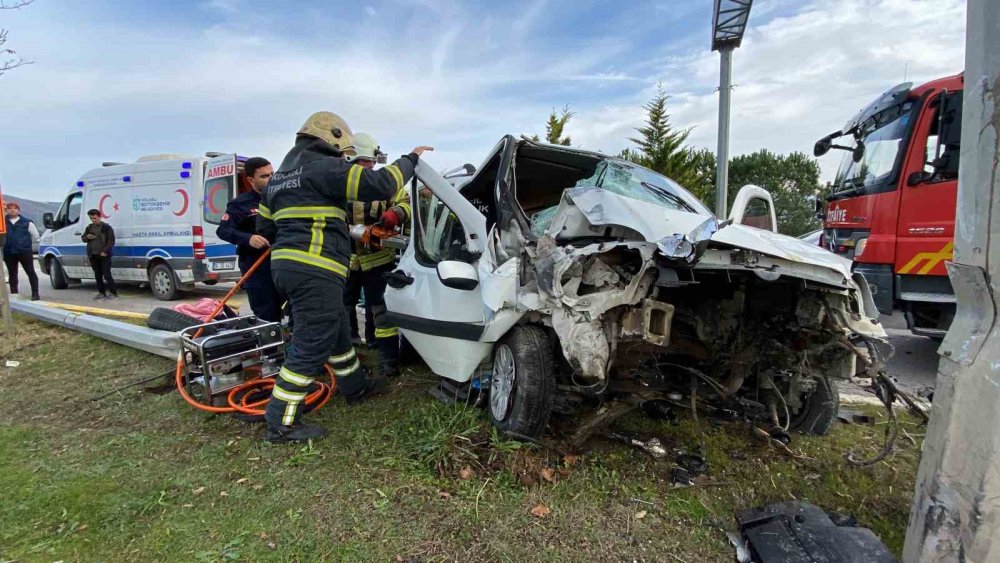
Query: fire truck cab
891	209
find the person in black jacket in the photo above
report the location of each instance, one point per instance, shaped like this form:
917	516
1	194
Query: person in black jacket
239	226
17	248
303	212
100	239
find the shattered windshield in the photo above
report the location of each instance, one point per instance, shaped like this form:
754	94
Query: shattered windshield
883	136
645	185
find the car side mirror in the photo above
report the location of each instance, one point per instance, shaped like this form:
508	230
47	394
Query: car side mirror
47	221
859	151
458	275
822	147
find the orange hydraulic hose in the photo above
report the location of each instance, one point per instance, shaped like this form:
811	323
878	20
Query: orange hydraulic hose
237	402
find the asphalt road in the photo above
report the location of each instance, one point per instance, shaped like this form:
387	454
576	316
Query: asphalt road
914	364
134	298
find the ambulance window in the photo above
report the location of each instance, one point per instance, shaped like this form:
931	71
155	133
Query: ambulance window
69	213
218	192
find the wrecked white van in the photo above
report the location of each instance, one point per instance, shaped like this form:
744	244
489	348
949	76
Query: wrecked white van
557	278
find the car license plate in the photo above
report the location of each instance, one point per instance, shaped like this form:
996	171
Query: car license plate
227	265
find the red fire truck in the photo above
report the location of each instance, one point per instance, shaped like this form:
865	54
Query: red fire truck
891	208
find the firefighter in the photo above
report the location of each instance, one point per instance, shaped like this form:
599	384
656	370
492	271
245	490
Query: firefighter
372	265
302	213
239	226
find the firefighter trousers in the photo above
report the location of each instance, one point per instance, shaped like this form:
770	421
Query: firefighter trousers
321	335
386	335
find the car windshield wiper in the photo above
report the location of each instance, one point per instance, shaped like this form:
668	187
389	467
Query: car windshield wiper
667	195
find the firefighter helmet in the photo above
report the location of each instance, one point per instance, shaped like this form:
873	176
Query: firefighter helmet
364	147
330	127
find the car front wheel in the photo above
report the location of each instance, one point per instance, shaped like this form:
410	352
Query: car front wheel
522	386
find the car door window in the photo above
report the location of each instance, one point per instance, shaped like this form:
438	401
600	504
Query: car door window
440	235
758	214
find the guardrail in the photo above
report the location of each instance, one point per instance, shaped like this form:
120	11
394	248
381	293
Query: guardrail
159	342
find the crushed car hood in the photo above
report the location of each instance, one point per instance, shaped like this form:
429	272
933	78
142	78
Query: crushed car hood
654	222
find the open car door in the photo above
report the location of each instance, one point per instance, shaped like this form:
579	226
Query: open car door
754	207
434	296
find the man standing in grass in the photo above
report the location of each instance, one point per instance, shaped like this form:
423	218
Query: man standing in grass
100	239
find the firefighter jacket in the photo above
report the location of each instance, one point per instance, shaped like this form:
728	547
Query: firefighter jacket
369	213
303	208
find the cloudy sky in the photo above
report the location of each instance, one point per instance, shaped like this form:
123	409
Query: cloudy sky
117	80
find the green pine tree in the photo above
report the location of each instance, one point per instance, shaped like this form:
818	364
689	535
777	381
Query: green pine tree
662	148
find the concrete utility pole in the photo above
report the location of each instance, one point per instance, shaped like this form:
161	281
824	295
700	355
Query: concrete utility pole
956	511
729	23
722	161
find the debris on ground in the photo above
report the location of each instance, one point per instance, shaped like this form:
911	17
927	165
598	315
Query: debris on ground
689	466
652	446
13	363
794	531
848	416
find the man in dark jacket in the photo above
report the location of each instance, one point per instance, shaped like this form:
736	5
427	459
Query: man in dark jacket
21	234
302	212
239	227
100	239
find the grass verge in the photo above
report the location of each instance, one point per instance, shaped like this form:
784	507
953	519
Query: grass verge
140	475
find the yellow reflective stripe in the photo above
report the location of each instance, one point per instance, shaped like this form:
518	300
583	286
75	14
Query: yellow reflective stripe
397	174
367	258
350	355
310	259
405	205
378	259
316	241
400	195
289	396
347	371
263	211
310	212
289	417
353	182
296	378
386	332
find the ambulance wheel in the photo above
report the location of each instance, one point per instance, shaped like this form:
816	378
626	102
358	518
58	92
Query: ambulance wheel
163	282
57	276
522	387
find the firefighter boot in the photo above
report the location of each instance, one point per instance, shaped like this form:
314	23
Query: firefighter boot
298	432
374	388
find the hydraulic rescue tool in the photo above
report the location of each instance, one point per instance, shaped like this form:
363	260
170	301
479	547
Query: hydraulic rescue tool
229	365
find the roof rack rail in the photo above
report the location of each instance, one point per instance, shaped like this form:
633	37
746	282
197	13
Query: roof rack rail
214	154
109	163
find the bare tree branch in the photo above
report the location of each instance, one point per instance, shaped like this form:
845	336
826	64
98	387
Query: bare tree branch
9	59
16	4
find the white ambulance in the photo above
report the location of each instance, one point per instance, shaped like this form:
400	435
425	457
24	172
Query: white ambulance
164	209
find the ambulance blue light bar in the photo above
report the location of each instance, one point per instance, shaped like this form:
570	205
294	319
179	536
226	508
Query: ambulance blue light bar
79	184
185	174
126	178
186	165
